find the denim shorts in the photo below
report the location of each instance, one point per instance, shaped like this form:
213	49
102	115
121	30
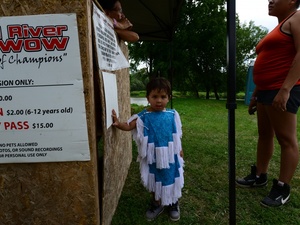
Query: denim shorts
266	98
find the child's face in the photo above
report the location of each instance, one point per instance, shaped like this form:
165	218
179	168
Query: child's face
158	100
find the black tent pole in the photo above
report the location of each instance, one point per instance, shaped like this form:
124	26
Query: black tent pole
231	105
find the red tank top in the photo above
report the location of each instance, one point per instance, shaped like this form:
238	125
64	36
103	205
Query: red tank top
275	54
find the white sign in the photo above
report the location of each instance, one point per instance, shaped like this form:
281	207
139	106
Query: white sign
42	107
111	96
110	56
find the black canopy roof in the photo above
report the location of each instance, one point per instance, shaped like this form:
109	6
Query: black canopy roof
153	19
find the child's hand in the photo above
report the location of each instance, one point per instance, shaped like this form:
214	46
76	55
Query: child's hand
122	126
181	153
114	118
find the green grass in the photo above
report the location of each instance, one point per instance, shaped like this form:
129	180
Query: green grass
206	192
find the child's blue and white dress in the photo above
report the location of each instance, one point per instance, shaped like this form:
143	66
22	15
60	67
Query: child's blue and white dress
158	138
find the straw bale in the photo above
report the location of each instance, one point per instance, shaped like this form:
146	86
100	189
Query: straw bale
54	193
117	154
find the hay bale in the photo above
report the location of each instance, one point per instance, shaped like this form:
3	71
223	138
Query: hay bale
117	145
63	192
67	192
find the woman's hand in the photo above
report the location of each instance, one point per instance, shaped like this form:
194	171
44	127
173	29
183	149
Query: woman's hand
280	100
252	106
123	24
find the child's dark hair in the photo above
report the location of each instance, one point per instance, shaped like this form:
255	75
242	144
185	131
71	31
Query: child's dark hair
159	84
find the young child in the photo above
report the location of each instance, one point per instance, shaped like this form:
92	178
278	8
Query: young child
157	133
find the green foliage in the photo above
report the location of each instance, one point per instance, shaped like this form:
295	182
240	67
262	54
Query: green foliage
196	58
180	94
205	194
136	108
247	38
138	94
138	80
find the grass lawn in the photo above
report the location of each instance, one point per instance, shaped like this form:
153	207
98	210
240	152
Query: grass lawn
205	194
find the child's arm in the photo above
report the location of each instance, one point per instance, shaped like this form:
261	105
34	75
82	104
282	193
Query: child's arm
122	126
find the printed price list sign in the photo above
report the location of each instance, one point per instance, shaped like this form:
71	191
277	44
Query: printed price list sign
42	108
110	56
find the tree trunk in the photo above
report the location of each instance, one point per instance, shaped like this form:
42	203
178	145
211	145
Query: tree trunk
216	92
207	92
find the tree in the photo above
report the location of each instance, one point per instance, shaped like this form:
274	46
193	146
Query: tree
197	56
138	80
248	35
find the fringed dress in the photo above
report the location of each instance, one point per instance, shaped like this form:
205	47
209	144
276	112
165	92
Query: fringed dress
158	138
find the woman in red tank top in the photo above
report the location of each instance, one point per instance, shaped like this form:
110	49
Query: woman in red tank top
276	97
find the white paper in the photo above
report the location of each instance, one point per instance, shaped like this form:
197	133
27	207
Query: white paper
111	96
42	107
110	56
